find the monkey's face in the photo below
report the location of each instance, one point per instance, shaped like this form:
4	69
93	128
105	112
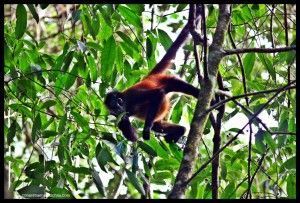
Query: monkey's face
115	103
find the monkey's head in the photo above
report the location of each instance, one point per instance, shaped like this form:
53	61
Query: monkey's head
114	101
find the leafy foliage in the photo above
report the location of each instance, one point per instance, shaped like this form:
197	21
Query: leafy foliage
60	141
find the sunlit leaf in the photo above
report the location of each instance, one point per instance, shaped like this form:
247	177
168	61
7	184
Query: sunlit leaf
130	16
165	40
248	62
108	58
135	182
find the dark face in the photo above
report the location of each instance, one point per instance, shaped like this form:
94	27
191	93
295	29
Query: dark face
115	103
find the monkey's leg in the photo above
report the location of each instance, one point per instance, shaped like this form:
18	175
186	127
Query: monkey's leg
177	85
173	131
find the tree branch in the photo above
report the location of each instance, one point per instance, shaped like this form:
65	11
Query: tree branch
258	50
215	106
190	152
238	133
257	169
217	142
203	20
287	44
192	27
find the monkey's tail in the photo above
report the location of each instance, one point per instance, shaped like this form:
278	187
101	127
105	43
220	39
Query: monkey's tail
165	62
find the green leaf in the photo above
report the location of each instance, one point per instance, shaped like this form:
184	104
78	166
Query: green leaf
180	7
12	132
270	141
72	76
80	119
158	148
167	164
132	45
148	149
84	149
80	170
223	171
176	151
21	109
62	124
88	26
32	191
93	67
130	16
248	62
103	157
61	153
48	104
72	181
291	186
49	133
137	8
108	58
135	159
283	120
165	40
113	184
162	175
135	182
67	60
290	163
149	48
292	123
259	144
98	182
177	111
33	12
268	65
21	22
229	191
36	127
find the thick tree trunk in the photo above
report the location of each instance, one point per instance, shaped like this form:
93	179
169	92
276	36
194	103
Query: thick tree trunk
199	120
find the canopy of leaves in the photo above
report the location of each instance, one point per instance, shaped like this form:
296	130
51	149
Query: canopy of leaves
61	60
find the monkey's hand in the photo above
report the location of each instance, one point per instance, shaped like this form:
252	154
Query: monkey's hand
146	133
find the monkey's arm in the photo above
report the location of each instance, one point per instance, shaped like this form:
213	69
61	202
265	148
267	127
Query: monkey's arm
128	131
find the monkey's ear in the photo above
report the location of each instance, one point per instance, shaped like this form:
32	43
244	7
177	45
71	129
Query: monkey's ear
120	101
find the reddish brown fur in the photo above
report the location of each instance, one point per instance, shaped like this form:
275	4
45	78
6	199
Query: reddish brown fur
151	82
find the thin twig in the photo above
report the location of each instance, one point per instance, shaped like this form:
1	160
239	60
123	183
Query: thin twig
55	34
215	106
258	50
203	20
257	169
271	27
287	44
192	27
241	65
217	141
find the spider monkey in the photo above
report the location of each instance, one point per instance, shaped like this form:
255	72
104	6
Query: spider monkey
149	100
